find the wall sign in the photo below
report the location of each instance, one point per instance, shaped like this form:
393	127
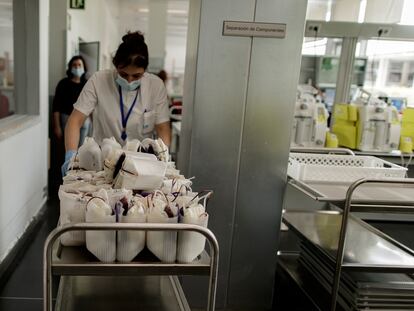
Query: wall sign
252	29
77	4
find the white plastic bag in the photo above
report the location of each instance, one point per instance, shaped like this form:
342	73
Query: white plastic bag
99	179
140	173
191	244
76	175
109	144
176	185
83	187
110	163
72	210
90	155
163	244
131	243
158	147
132	145
101	243
184	200
115	195
172	172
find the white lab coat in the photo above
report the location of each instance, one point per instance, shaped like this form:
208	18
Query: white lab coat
100	97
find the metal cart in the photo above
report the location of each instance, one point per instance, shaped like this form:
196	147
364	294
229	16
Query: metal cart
76	261
335	199
377	195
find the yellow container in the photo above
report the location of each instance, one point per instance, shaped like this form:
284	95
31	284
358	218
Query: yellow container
352	113
331	140
346	133
406	144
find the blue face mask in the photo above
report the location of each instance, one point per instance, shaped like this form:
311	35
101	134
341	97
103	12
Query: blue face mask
128	86
78	72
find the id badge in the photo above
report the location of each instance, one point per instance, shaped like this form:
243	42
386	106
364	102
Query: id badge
148	122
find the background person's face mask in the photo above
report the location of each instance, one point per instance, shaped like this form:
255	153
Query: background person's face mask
127	86
78	72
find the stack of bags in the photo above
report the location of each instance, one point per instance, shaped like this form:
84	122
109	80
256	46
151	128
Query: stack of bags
132	184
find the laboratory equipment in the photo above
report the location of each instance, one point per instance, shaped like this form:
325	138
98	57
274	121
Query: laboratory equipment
311	119
378	125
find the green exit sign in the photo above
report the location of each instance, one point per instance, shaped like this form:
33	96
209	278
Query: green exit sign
77	4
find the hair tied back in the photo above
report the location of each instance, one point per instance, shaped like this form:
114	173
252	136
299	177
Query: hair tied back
133	37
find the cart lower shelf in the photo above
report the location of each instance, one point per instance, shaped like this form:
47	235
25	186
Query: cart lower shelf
317	297
152	293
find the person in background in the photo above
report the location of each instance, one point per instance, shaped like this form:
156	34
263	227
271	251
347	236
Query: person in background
126	102
66	94
163	76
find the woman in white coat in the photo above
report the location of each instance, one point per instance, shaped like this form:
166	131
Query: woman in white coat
125	102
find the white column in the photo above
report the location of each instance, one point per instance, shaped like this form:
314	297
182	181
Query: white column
382	73
57	42
157	32
405	73
235	138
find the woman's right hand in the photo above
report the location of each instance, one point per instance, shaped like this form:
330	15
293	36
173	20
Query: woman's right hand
58	132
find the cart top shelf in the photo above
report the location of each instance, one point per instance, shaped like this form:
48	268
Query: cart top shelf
366	248
390	194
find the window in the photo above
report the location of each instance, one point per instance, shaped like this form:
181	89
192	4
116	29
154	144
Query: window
394	73
390	68
7	102
319	66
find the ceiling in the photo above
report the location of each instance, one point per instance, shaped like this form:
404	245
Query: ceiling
134	14
6	13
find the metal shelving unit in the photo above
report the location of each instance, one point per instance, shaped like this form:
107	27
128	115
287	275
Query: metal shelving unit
77	261
383	254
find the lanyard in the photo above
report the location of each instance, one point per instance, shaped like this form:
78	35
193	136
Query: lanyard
125	119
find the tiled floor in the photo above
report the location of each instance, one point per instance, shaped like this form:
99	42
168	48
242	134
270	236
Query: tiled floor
23	291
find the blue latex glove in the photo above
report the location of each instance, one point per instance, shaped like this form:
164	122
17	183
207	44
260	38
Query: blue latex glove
68	156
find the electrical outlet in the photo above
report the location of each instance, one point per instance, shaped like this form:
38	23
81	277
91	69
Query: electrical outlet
313	27
384	31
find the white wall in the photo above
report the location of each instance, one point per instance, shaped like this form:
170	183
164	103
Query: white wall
23	158
6	42
98	22
21	183
175	55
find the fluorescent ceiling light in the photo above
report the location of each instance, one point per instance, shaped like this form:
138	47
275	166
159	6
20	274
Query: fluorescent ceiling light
362	9
328	11
146	10
177	11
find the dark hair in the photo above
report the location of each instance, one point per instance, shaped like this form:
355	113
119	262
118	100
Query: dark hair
132	51
163	75
69	69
